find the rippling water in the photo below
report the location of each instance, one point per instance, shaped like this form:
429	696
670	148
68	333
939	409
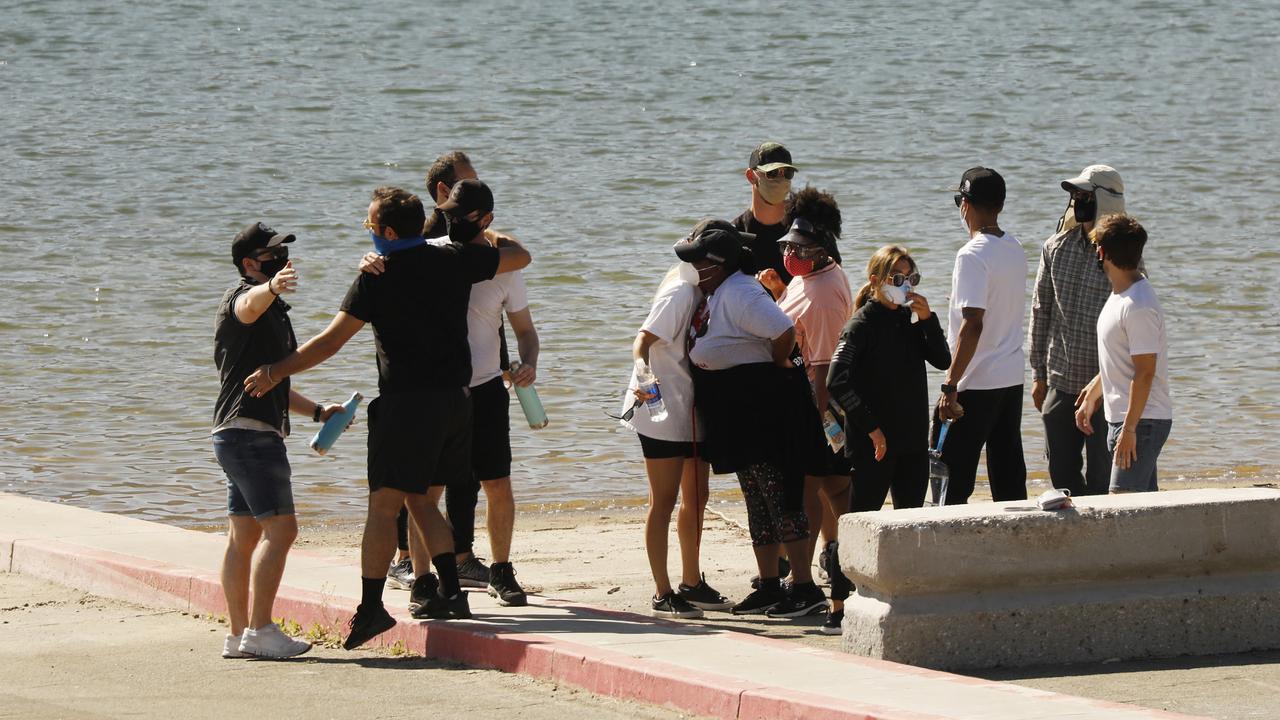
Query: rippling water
137	139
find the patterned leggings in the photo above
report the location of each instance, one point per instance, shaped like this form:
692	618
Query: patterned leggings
769	516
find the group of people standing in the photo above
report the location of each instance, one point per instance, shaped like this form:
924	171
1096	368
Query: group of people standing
437	289
817	400
768	365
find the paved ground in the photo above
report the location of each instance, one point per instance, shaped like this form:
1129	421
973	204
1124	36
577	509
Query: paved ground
69	655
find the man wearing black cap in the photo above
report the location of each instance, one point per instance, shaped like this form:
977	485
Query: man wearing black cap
420	424
982	393
769	172
252	328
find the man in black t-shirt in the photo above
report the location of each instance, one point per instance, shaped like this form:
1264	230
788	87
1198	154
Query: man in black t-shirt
769	171
252	328
420	424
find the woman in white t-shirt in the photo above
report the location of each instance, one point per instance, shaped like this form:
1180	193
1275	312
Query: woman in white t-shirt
754	397
670	450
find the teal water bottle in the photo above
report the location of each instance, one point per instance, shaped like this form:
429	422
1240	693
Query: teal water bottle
530	403
333	427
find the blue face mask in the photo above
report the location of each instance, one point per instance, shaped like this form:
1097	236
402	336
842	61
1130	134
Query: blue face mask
386	247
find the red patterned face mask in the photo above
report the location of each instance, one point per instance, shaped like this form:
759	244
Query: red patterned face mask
798	266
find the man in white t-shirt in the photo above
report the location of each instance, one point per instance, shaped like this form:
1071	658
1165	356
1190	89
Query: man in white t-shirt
1133	361
982	393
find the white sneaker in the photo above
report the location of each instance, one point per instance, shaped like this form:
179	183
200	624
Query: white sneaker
269	642
231	647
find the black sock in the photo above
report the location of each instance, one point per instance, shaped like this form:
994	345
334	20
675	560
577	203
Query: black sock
447	569
371	592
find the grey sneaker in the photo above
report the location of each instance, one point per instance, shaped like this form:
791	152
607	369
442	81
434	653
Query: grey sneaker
231	647
400	575
473	573
270	641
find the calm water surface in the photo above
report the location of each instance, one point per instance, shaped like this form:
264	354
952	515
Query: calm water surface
136	139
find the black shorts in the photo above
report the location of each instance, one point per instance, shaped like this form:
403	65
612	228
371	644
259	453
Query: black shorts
830	463
419	439
655	449
491	430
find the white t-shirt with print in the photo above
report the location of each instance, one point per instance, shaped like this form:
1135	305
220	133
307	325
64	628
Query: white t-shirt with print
991	274
742	322
1132	323
668	320
505	292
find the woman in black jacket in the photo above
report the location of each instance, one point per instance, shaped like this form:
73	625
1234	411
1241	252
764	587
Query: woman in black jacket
877	379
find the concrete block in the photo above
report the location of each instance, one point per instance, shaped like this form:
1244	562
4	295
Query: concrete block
1118	577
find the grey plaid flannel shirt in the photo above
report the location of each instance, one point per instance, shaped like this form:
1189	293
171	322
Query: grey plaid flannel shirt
1069	295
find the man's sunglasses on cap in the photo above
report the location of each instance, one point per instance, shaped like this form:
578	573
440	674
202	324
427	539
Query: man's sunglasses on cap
897	279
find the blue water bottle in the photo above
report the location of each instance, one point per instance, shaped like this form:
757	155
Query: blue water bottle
530	403
333	427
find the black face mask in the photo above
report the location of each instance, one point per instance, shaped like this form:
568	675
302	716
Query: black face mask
1086	210
462	230
272	266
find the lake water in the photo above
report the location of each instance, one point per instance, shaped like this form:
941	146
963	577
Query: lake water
136	138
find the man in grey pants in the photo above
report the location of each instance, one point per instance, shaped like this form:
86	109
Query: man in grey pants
1069	294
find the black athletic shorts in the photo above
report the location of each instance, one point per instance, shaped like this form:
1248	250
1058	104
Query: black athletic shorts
491	430
655	449
419	439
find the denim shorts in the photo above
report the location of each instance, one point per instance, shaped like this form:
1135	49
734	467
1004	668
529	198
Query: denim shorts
1141	473
257	470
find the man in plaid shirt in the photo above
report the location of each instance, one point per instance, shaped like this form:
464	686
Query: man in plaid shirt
1069	294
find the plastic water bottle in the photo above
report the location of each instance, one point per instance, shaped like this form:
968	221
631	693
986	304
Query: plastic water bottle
835	433
335	425
530	403
649	386
939	473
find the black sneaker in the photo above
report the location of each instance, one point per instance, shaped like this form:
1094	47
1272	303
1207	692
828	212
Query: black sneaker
769	593
784	569
400	575
473	573
833	624
503	585
367	624
703	596
442	608
804	599
423	589
672	605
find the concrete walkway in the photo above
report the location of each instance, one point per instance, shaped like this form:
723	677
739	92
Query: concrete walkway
708	672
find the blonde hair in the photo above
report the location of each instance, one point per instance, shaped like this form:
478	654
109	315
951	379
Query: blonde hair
881	265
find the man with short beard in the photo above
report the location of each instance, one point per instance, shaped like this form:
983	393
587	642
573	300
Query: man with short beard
420	424
769	172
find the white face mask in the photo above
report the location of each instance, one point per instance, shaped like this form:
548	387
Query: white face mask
895	294
688	273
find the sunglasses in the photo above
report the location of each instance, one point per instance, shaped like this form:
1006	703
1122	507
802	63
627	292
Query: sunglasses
281	253
776	173
897	279
804	252
958	197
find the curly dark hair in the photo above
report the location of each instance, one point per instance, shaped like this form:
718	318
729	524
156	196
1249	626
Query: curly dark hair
399	210
820	209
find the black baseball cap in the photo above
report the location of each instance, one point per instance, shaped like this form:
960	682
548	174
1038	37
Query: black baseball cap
255	236
466	197
715	240
982	186
769	157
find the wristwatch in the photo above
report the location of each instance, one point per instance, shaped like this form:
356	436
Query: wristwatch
948	389
315	415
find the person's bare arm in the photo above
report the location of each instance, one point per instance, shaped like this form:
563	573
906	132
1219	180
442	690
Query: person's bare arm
312	353
302	405
255	301
966	346
1144	372
782	346
511	255
528	345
